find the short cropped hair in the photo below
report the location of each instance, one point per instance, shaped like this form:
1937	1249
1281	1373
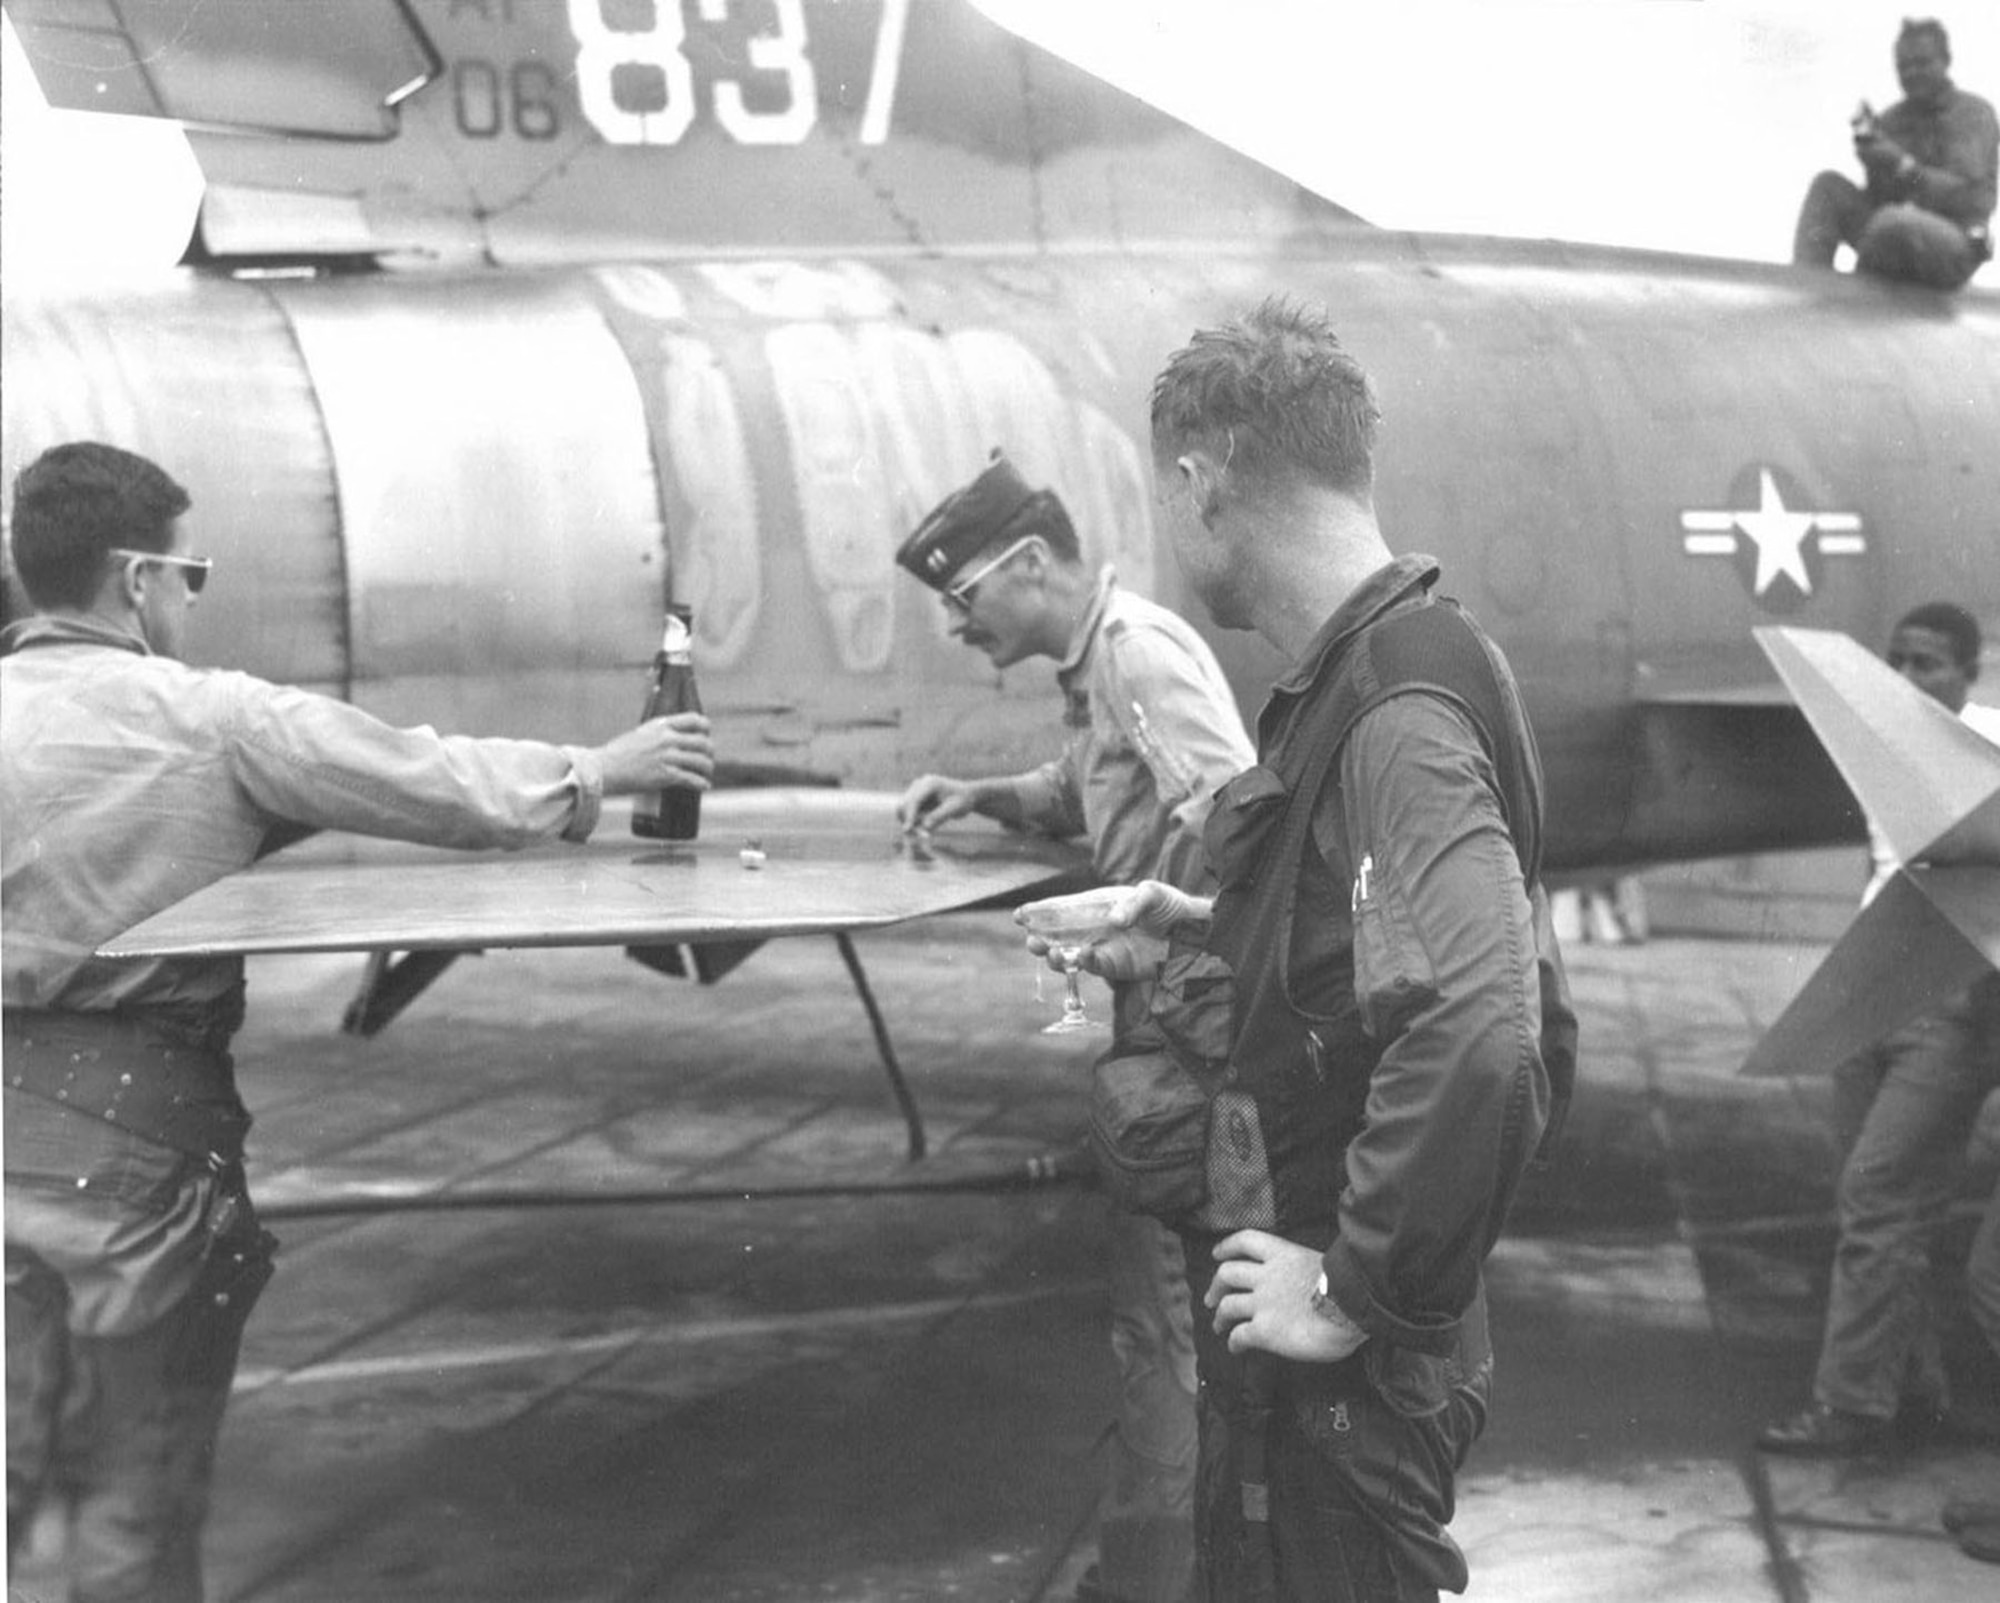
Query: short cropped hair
76	503
1271	394
1915	28
1954	623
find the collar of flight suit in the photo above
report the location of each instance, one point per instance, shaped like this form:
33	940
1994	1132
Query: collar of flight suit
1085	635
69	629
1394	582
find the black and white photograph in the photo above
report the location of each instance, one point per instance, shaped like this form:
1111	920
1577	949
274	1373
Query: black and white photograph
1000	801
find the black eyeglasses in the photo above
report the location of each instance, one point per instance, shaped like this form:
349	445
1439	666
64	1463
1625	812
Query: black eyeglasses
194	570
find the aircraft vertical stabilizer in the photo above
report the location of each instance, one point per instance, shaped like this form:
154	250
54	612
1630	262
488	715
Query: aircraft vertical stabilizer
529	132
1933	787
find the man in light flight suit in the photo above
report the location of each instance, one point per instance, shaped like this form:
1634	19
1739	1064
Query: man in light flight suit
128	781
1153	731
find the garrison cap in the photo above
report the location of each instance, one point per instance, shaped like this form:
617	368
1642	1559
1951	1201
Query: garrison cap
965	523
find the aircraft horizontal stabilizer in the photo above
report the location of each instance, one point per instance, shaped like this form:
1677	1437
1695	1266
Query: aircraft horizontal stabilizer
1970	898
1931	784
337	72
1925	937
825	862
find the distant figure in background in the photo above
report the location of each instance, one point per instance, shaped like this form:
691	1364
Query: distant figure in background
1930	161
127	782
1152	731
1604	912
1902	1110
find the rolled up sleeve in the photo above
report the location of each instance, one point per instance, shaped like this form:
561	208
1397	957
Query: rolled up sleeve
1049	798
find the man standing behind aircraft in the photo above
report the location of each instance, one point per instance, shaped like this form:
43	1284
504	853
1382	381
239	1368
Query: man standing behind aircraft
127	782
1931	160
1901	1112
1395	1033
1153	732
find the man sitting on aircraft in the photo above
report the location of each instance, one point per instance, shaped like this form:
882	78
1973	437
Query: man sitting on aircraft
127	782
1153	733
1930	161
1901	1110
1373	998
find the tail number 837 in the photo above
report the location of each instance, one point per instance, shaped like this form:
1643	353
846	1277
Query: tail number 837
637	86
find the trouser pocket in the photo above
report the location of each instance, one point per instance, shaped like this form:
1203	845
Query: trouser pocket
1367	1472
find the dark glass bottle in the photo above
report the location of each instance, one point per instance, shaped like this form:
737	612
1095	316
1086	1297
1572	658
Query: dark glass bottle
671	814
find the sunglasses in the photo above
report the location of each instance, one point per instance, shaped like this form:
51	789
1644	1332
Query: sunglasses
194	570
959	596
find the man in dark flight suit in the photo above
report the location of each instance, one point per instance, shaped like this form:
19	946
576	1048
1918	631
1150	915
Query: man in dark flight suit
1397	1037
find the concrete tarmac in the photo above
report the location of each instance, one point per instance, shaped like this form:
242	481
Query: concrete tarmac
601	1286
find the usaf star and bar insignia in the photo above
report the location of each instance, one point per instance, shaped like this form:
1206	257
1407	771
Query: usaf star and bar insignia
1780	550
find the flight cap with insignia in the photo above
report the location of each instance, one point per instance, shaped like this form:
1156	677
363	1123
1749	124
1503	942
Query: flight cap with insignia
965	523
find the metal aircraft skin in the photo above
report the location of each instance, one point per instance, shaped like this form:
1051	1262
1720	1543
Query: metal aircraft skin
512	319
1932	786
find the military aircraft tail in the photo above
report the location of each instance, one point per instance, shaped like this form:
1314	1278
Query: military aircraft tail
417	132
1933	787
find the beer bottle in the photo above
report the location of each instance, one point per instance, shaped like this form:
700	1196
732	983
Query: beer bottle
671	814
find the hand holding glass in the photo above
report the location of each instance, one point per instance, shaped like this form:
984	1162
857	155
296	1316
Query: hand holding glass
1069	924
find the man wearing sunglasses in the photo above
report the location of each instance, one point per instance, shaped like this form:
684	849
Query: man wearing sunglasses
1152	732
127	782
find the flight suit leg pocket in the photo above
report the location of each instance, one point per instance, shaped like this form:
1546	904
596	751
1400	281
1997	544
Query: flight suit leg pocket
1360	1455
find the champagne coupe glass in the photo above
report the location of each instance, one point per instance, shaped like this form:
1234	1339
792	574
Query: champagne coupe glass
1069	924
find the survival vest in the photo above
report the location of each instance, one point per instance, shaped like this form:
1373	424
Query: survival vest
1260	1023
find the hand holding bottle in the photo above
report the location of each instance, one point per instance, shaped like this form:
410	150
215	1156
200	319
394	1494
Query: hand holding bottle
669	753
672	812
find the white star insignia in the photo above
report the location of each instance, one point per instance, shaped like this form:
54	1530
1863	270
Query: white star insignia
1778	534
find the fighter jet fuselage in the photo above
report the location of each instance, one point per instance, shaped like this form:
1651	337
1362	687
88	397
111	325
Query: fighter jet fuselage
624	331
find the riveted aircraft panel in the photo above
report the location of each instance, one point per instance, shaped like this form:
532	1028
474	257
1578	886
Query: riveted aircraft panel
500	510
333	71
201	376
